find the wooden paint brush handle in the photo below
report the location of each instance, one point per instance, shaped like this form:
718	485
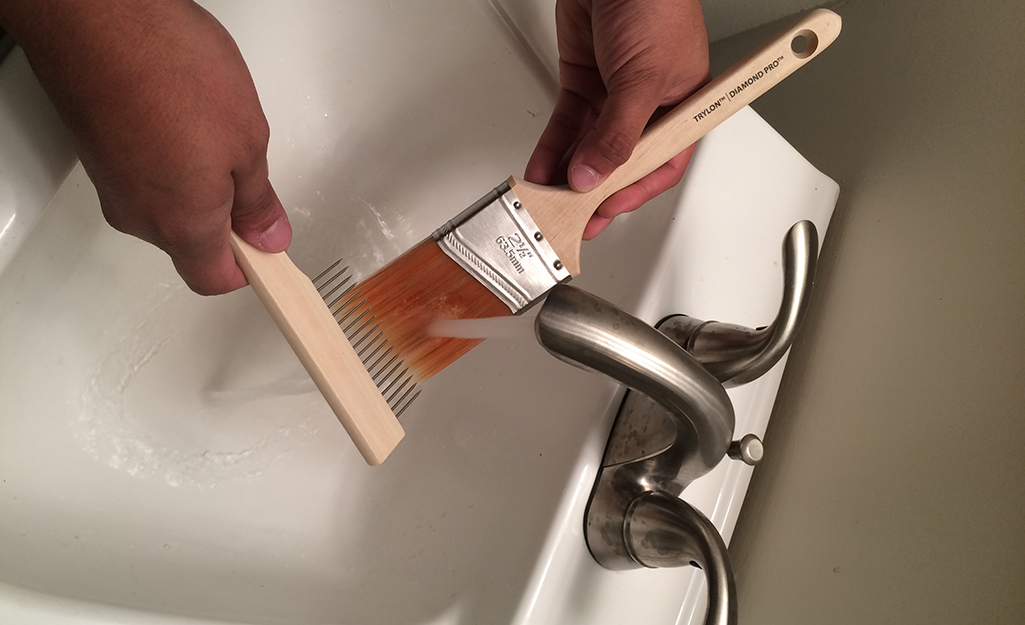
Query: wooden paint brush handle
304	319
561	213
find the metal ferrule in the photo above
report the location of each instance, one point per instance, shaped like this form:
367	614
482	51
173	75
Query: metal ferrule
497	242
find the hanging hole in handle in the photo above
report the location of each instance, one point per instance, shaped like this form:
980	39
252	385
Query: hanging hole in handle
804	44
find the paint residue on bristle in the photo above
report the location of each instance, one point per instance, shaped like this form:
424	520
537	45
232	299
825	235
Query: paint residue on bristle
418	288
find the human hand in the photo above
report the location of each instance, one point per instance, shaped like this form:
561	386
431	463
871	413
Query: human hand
167	123
619	62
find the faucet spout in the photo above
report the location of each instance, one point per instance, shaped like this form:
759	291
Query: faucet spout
593	334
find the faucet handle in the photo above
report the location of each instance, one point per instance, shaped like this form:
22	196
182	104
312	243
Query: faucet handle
662	530
737	355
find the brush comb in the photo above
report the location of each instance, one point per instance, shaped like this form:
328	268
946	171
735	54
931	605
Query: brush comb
314	335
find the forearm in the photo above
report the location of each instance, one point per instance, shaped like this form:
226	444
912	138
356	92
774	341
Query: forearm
43	27
87	52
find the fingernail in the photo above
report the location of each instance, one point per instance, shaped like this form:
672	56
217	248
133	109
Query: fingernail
277	237
583	178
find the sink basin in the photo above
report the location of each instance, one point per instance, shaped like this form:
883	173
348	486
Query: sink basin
164	459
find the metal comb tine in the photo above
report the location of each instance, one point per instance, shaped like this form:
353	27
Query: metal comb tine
401	402
379	358
367	359
388	375
400	387
325	272
388	388
385	368
354	309
389	378
354	333
349	302
340	284
408	403
329	281
343	294
395	380
357	320
366	335
398	390
371	344
393	404
327	289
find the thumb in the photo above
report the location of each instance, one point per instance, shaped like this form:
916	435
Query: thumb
257	214
622	119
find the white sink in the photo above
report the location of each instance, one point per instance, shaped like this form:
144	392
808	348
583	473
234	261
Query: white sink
162	457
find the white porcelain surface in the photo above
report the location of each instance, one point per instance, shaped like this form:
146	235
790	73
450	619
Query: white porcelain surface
35	153
162	457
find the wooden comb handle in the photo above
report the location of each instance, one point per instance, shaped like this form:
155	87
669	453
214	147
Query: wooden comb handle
561	213
321	346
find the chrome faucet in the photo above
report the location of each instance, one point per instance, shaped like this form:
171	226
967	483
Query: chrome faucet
676	423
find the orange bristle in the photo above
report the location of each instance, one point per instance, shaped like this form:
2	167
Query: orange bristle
406	296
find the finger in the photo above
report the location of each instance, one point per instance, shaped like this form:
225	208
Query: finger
623	117
210	270
560	172
562	132
209	266
256	213
595	226
196	239
632	197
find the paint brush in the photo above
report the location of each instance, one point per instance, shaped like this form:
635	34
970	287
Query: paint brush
502	254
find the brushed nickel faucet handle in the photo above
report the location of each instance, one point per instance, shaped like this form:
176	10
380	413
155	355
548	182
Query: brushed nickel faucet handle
737	355
665	531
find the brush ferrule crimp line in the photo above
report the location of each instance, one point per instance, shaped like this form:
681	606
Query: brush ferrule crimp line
497	242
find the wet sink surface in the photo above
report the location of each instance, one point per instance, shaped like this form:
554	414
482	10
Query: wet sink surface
164	457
